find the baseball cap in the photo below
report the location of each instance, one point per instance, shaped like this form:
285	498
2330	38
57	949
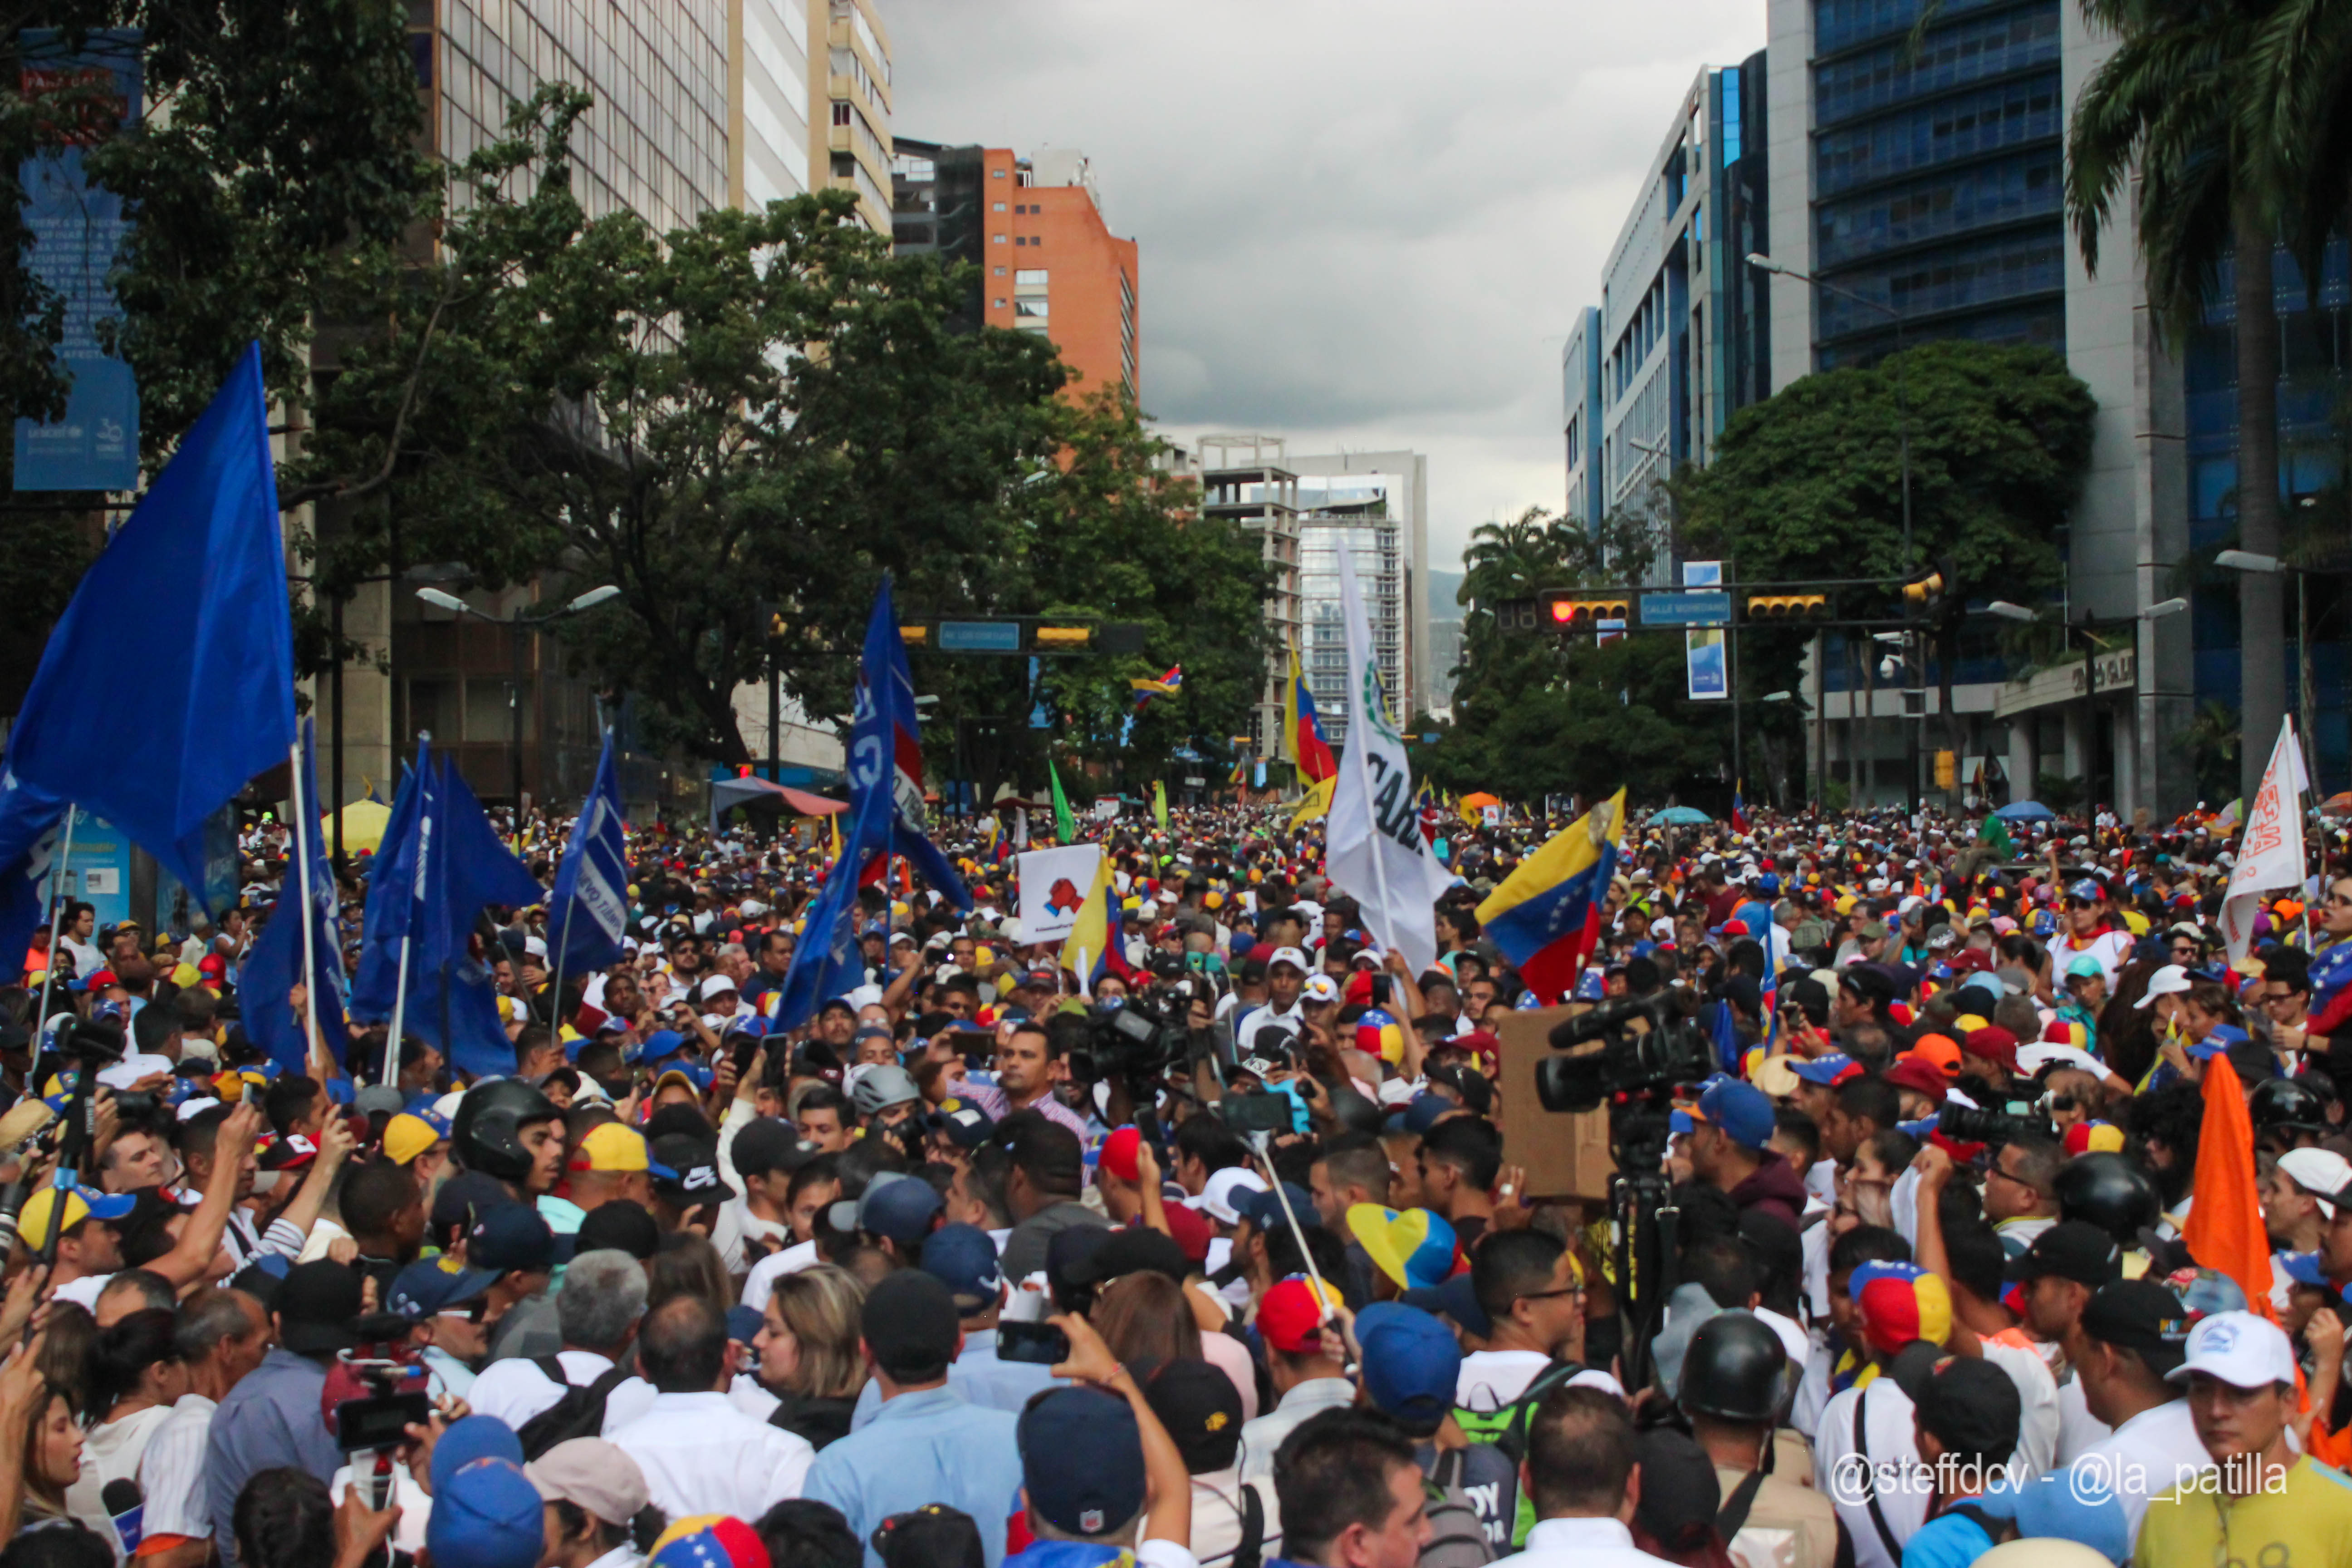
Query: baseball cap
1217	1195
1900	1303
1919	1075
1132	1250
709	1541
2169	980
2064	1510
1939	1051
1971	1407
910	1323
1412	1362
592	1475
1455	1298
470	1438
2322	1173
1416	1249
317	1303
765	1144
1289	955
613	1148
2071	1249
1290	1315
1081	1460
966	1124
624	1226
902	1210
1833	1069
1201	1410
692	1165
1319	987
1265	1209
1118	1154
2240	1349
1994	1044
962	1259
510	1238
435	1285
413	1132
1742	1111
2140	1315
485	1515
81	1203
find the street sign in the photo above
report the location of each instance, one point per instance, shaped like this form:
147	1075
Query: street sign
1703	607
980	636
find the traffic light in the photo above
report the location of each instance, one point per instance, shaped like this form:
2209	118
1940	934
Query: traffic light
1934	593
1947	770
1920	590
915	637
1788	607
1517	616
1064	639
1577	612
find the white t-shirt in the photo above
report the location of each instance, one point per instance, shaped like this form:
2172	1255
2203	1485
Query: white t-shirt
1490	1380
2037	1394
2145	1457
1902	1485
515	1390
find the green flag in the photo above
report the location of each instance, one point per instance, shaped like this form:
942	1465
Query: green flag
1160	803
1995	833
1066	826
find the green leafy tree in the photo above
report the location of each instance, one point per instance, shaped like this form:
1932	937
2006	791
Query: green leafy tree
2182	125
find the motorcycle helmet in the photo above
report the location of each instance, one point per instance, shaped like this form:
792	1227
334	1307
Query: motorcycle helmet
487	1134
1734	1370
2110	1192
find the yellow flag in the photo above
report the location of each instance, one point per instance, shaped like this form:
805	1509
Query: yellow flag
834	822
1087	939
1318	802
1289	746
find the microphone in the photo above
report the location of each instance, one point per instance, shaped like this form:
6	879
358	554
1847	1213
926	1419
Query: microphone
125	1503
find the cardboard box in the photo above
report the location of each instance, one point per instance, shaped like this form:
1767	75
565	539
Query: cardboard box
1565	1156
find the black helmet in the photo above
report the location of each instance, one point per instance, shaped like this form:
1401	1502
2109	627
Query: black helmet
1734	1369
2279	1103
2109	1192
485	1137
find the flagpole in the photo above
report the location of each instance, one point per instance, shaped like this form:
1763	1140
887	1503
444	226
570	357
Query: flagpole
311	1043
58	869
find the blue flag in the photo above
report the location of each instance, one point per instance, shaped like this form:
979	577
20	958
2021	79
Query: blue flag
169	681
392	895
432	887
590	910
30	822
274	967
885	817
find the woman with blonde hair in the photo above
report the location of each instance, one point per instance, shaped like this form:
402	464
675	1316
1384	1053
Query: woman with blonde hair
808	1350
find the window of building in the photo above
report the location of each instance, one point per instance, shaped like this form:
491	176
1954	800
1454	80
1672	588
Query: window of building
1029	275
1000	272
841	112
997	174
999	208
999	304
1020	239
1026	307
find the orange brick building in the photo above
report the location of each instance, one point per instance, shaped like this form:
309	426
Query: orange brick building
1048	263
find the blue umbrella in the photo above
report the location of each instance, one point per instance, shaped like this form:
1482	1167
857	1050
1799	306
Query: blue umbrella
2026	811
1682	816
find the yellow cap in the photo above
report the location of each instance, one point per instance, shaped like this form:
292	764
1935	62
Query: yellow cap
81	1204
610	1147
407	1135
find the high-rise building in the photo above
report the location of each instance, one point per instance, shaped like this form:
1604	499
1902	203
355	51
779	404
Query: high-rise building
1245	480
768	87
1376	506
1676	345
849	74
1047	260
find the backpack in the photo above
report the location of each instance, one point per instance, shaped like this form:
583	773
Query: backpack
1457	1539
580	1412
1508	1429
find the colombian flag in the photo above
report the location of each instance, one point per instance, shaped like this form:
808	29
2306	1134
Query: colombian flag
1302	734
1546	916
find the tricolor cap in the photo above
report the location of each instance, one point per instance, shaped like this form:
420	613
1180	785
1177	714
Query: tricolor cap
707	1540
1416	1249
413	1132
1900	1303
2095	1138
1826	1070
1379	1035
81	1204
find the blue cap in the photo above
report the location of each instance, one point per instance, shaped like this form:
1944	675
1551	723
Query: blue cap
470	1438
743	1323
486	1515
661	1043
903	1211
1081	1460
1412	1362
1455	1298
1823	1070
1421	1111
1591	986
432	1285
510	1237
2302	1267
1263	1209
2069	1506
962	1259
1743	1110
1680	1123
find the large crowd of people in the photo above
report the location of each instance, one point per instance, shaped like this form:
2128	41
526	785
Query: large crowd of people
1216	1253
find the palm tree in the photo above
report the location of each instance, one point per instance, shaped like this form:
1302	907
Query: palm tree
2299	103
2174	106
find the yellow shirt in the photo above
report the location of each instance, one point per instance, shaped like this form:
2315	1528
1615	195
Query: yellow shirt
2302	1521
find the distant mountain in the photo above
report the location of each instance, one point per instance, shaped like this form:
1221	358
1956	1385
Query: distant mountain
1443	587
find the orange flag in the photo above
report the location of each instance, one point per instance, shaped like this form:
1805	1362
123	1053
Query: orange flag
2225	1229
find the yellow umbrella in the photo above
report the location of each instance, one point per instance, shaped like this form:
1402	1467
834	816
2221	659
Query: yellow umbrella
364	823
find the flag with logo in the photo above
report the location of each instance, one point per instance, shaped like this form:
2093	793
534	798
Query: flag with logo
1376	851
590	910
2270	851
271	971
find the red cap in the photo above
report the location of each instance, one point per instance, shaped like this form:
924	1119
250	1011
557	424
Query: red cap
1118	1154
1191	1231
1290	1316
1994	1044
1916	1073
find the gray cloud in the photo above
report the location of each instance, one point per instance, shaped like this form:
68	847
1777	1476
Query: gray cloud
1363	223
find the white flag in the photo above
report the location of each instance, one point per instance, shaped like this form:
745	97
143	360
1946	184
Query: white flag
1054	888
1377	853
2269	852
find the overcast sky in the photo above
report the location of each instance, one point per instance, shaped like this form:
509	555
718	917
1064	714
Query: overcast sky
1363	223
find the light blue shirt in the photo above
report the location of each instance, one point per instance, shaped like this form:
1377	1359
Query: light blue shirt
979	1376
926	1447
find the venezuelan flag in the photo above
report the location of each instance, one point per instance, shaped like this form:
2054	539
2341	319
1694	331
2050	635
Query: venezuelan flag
1738	809
1546	916
1302	734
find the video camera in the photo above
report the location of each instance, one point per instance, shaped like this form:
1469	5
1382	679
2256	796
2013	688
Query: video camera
1153	1031
1668	1049
1981	1124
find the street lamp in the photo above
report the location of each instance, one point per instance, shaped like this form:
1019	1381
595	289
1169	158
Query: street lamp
2249	561
515	625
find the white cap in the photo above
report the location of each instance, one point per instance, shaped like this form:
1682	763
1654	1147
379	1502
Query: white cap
718	983
131	1068
1009	932
1291	956
534	947
2033	1059
2241	1350
1319	988
754	907
2322	1173
1217	1195
2166	982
